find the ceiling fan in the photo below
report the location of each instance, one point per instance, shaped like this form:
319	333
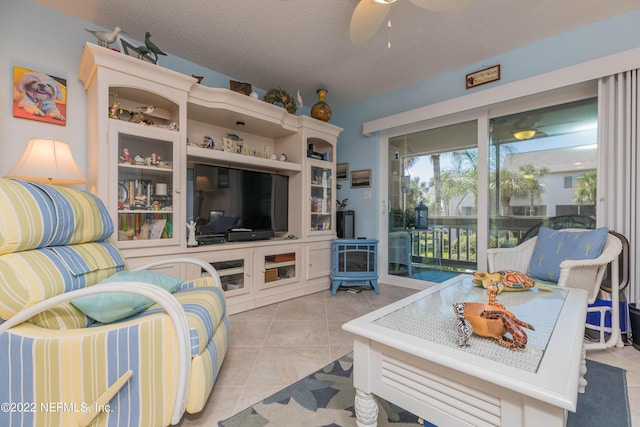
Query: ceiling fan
528	127
370	14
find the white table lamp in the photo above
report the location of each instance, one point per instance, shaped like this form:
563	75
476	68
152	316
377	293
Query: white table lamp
47	160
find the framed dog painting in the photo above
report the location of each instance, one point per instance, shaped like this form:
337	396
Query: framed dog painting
39	96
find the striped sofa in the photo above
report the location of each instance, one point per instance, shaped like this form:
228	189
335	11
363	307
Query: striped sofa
58	366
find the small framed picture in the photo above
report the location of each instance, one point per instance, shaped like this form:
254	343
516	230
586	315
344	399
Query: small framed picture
361	178
342	170
39	96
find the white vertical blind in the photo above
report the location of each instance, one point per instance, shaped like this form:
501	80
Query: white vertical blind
618	164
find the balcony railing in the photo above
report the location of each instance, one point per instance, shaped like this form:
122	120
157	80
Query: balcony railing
452	242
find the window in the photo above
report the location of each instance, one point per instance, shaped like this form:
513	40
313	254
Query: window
572	181
543	164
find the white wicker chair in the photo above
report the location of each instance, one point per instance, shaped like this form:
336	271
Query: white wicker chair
584	274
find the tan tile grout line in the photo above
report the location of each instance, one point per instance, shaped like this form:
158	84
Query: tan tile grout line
255	361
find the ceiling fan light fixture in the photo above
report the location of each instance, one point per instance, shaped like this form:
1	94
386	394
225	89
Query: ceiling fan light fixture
525	134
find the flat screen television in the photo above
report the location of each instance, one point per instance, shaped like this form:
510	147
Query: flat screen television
226	198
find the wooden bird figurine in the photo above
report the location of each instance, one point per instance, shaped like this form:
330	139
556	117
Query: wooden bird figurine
142	51
105	38
152	47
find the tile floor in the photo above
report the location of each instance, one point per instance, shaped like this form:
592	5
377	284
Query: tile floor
274	346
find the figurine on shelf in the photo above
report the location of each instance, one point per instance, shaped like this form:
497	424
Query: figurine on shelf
138	160
155	205
130	234
125	157
140	200
191	241
170	126
139	117
147	109
283	157
154	159
207	142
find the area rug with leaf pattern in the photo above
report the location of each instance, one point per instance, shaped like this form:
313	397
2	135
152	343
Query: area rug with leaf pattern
325	399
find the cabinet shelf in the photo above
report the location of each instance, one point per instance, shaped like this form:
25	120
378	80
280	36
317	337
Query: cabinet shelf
270	265
217	105
222	272
233	159
155	169
143	211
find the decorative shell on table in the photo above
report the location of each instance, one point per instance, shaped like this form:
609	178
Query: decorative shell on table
282	98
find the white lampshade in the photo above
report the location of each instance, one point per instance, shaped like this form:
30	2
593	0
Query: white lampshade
47	160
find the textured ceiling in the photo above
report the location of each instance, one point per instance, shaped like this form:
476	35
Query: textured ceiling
304	44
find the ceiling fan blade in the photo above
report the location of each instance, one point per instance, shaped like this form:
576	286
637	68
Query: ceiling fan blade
443	5
366	19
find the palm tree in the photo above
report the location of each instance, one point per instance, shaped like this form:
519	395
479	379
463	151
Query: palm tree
437	183
450	189
512	183
585	192
417	194
466	166
531	175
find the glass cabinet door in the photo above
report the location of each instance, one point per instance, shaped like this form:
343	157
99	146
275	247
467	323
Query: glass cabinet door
280	267
231	274
321	199
145	188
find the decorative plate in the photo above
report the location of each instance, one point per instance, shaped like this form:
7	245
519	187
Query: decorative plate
123	193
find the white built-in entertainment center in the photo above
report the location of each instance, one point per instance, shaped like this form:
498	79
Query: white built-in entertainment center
147	128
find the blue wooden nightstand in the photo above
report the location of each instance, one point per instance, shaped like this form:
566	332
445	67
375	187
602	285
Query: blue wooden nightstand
355	263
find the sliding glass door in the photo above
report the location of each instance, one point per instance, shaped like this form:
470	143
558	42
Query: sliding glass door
542	171
433	195
455	190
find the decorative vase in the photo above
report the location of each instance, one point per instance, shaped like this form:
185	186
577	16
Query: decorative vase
321	109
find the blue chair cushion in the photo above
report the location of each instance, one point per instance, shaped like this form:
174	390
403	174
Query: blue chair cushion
555	246
111	307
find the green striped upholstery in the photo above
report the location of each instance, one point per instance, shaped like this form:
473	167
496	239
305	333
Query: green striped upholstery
206	366
205	308
34	215
52	241
74	367
87	214
210	337
34	251
46	272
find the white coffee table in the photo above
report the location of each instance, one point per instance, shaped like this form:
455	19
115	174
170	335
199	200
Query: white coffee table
407	353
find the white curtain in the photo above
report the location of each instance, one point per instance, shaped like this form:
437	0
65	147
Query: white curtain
618	204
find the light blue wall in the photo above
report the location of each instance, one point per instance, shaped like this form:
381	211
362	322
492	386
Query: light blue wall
37	37
603	38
